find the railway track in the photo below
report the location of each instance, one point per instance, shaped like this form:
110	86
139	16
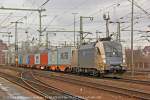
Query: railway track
139	72
137	81
120	90
40	88
110	88
55	92
132	81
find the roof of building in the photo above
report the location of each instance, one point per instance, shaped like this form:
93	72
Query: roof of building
146	49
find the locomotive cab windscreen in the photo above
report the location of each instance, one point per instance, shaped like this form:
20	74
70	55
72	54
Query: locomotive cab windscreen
113	52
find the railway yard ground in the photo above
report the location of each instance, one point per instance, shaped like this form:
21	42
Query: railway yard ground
30	84
9	91
139	75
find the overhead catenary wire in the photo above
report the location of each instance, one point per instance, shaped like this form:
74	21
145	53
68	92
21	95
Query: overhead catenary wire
5	18
75	7
138	6
28	14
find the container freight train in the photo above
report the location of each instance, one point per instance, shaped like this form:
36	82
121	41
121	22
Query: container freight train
98	58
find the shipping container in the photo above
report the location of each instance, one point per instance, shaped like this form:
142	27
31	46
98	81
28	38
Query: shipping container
27	59
37	58
53	57
65	55
58	56
49	57
20	60
23	59
12	59
44	58
31	59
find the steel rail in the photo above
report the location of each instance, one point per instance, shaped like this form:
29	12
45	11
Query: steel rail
58	93
110	88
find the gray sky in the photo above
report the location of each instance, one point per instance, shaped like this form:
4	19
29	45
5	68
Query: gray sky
59	17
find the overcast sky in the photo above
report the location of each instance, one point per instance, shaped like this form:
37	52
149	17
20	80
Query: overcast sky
59	17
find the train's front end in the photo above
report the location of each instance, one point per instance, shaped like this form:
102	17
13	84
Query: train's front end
114	57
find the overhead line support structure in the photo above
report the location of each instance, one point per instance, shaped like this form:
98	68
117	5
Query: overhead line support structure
36	10
40	25
118	29
74	27
16	41
9	36
81	28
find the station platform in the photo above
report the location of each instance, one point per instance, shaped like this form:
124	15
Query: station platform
10	91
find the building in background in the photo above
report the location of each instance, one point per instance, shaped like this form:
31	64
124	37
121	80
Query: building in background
3	54
141	58
146	50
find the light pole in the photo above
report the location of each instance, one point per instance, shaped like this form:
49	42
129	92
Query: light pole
40	26
132	12
74	27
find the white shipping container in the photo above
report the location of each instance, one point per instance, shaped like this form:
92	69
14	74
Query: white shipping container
37	58
65	55
23	59
53	57
12	59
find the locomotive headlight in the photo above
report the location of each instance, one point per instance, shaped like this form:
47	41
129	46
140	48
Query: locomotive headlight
114	53
104	60
16	59
123	58
124	61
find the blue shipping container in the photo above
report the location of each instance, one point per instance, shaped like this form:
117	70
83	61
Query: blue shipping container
20	59
27	59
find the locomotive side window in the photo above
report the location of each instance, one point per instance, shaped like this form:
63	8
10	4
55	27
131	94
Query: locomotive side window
87	52
64	55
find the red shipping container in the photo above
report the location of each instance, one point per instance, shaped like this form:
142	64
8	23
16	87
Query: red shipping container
44	58
31	59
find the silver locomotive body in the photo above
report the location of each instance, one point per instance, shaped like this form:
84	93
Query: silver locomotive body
113	56
101	57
